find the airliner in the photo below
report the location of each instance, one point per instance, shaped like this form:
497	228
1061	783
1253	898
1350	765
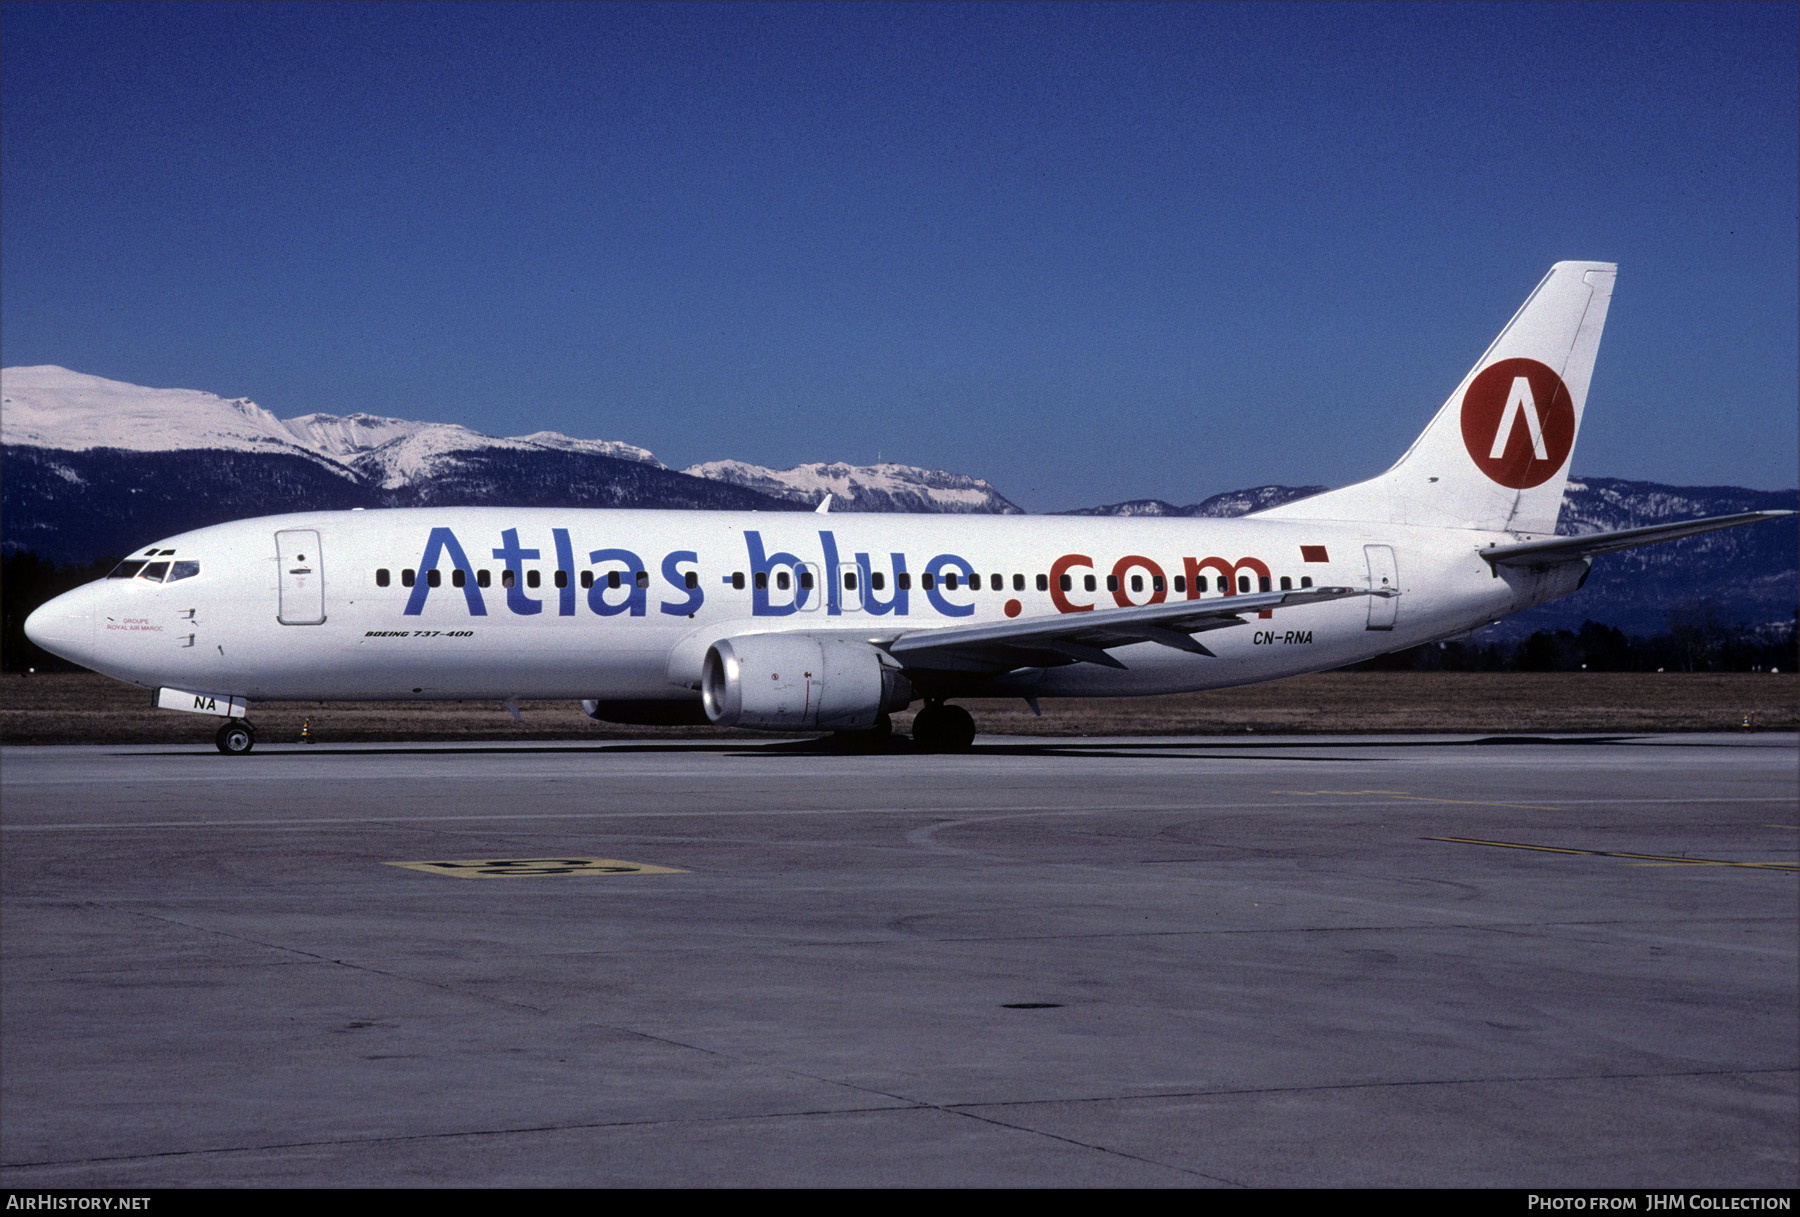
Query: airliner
821	622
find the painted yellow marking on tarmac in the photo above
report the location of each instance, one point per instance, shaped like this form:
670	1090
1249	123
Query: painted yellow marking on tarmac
1419	798
1649	859
532	868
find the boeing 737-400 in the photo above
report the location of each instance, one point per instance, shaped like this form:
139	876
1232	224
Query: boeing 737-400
797	622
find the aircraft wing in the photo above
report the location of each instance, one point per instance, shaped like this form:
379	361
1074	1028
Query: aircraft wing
1087	637
1552	550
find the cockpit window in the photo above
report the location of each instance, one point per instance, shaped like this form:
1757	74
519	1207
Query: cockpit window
182	570
155	571
126	569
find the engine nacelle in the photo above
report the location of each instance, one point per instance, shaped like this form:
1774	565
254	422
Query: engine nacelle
798	682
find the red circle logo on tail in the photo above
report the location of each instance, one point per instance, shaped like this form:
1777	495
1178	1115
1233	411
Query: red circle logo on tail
1518	422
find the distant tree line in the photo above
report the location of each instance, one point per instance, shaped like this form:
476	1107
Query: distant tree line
27	581
1699	637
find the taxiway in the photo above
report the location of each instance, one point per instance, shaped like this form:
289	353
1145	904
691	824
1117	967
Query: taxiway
1363	961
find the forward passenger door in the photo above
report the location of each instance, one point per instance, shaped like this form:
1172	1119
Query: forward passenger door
302	577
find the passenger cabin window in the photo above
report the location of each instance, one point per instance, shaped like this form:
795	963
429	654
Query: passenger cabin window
587	578
878	581
737	580
762	581
1087	582
1262	583
806	580
1181	583
182	570
1156	583
1222	584
1305	580
507	578
1287	584
406	578
903	581
1137	583
531	578
643	578
950	578
781	580
612	578
849	581
434	577
381	577
458	577
1112	583
691	580
481	578
561	578
1243	583
1068	583
1043	583
926	581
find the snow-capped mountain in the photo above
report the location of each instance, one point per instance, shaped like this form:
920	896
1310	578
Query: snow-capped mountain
93	467
52	407
884	487
1220	506
396	452
1752	574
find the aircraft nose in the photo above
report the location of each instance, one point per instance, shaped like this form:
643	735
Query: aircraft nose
65	626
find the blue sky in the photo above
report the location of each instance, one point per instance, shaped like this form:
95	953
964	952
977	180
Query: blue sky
1089	253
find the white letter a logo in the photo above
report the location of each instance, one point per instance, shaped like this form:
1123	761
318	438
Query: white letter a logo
1520	401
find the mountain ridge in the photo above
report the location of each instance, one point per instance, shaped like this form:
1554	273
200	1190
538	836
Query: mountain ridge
94	468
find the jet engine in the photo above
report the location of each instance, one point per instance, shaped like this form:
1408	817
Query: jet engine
800	682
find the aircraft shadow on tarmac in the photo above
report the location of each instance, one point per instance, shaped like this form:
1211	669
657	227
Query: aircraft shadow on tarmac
1170	748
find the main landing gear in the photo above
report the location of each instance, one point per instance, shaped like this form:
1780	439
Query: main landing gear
941	728
236	737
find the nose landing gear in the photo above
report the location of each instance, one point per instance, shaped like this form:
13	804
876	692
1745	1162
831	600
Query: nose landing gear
236	737
942	728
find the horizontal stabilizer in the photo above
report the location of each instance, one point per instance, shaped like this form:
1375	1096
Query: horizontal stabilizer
1552	550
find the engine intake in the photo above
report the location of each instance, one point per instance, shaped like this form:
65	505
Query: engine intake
798	682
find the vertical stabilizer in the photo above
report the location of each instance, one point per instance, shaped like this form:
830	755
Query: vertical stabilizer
1497	455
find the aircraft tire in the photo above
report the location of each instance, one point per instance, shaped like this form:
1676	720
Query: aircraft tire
236	737
958	729
927	728
941	728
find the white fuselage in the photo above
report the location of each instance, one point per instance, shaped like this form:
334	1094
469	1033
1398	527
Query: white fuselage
345	606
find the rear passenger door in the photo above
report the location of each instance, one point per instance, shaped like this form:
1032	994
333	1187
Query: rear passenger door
1384	576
